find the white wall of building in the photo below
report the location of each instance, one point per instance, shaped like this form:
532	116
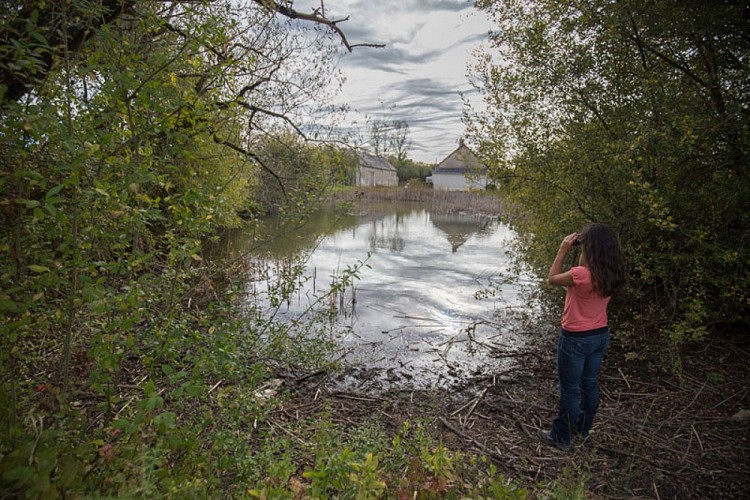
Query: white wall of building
457	182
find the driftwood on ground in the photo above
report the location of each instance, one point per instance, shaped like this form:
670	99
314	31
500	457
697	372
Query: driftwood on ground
657	435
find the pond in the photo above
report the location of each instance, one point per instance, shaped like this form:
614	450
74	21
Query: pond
436	300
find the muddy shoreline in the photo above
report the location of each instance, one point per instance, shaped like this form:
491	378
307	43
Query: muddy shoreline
657	435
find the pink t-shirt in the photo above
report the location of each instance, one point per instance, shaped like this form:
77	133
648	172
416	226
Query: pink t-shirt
584	308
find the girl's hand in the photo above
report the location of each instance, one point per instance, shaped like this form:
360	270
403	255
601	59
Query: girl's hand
556	275
568	242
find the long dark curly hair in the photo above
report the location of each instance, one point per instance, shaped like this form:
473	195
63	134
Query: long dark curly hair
604	258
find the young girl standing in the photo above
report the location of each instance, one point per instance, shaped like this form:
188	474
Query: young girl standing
584	336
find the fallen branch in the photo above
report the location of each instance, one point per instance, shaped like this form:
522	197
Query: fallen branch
490	453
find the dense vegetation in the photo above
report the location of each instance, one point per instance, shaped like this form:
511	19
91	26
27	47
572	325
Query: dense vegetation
633	113
133	130
411	170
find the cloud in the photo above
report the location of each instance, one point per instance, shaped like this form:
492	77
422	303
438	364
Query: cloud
360	7
400	57
366	33
436	5
390	59
421	93
418	77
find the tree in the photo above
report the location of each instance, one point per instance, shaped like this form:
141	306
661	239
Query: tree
390	138
39	31
379	137
128	129
633	113
409	169
400	142
303	174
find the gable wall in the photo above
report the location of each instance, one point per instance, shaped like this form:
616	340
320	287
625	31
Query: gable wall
456	182
376	177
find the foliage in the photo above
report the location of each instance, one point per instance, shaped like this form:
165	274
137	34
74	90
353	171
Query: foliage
365	462
570	485
297	176
632	113
411	170
127	130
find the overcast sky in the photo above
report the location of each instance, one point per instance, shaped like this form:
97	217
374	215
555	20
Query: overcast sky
418	75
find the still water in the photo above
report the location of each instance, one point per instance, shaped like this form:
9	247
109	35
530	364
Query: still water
437	298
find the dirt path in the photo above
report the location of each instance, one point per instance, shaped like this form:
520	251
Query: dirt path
657	435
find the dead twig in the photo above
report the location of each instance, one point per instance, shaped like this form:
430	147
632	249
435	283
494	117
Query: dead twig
490	453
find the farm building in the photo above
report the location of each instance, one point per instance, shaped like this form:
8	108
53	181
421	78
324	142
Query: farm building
459	171
375	171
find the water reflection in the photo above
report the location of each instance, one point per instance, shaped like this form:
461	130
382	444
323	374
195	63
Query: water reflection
459	228
415	310
384	235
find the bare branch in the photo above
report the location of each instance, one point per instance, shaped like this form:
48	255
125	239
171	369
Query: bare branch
254	157
317	16
18	83
256	109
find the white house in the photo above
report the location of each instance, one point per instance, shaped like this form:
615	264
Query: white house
459	171
375	171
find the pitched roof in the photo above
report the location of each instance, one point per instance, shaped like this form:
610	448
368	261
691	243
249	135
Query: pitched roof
371	161
459	161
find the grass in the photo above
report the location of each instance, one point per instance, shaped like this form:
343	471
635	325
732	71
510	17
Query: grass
372	461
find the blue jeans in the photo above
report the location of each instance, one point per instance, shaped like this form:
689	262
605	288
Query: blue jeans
578	361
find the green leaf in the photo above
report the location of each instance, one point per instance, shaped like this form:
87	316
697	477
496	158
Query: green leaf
52	192
194	390
165	421
38	269
7	305
152	403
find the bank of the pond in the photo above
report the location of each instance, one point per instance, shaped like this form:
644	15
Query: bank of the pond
439	201
658	435
402	285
